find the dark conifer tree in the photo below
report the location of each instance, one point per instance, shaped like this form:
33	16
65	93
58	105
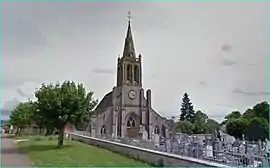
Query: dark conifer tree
187	111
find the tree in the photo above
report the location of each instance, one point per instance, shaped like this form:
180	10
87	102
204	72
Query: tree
21	116
200	120
232	115
185	127
212	126
262	110
41	122
63	104
237	127
258	128
249	113
187	111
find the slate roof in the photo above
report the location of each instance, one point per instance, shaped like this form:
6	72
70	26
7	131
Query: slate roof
105	102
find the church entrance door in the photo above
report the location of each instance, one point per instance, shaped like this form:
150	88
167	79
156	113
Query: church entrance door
132	132
132	129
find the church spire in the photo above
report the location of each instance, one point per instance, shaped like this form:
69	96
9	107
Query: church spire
129	50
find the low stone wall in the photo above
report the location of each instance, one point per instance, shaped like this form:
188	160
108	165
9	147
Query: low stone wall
149	156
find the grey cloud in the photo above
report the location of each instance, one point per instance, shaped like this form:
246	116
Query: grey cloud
248	93
227	62
103	71
27	36
253	65
203	83
264	93
5	112
225	105
9	105
21	93
8	81
226	47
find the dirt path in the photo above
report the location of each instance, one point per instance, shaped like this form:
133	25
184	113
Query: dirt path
11	156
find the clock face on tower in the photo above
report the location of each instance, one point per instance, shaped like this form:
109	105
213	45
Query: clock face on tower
132	94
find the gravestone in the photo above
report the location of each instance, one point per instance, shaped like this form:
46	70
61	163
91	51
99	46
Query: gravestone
145	135
235	150
168	146
156	139
218	153
174	146
242	149
259	147
209	151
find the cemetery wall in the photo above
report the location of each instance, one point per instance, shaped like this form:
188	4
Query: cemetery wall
149	156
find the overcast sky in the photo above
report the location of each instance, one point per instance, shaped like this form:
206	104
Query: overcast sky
216	52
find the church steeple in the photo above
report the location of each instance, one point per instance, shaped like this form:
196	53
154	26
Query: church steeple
129	69
129	49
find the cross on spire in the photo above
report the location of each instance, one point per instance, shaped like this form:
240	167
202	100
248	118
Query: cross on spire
129	16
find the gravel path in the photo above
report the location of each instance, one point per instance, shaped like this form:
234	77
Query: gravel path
11	156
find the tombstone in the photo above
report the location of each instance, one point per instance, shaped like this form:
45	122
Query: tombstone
186	147
174	145
145	135
209	151
93	133
229	147
168	146
242	149
267	144
153	137
236	143
156	139
218	153
235	150
259	147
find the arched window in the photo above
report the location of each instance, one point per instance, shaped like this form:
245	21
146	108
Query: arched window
103	130
129	73
163	129
131	122
118	75
157	131
136	74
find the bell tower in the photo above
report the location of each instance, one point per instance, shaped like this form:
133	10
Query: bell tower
129	69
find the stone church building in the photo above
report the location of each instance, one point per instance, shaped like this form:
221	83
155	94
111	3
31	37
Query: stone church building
126	111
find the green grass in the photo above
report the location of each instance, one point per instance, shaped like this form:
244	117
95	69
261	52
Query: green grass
44	153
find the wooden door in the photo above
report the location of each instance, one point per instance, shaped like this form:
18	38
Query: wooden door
132	132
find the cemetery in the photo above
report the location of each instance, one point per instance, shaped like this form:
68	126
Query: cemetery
224	150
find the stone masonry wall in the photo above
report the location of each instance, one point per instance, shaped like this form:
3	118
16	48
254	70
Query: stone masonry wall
147	155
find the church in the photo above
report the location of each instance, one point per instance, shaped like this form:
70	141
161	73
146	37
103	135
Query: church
126	111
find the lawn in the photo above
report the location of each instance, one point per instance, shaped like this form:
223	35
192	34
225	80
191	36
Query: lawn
43	153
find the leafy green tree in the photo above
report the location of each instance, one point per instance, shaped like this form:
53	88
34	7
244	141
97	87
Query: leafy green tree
185	127
249	113
42	123
232	115
211	126
262	110
187	111
21	116
237	127
200	121
257	128
63	104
